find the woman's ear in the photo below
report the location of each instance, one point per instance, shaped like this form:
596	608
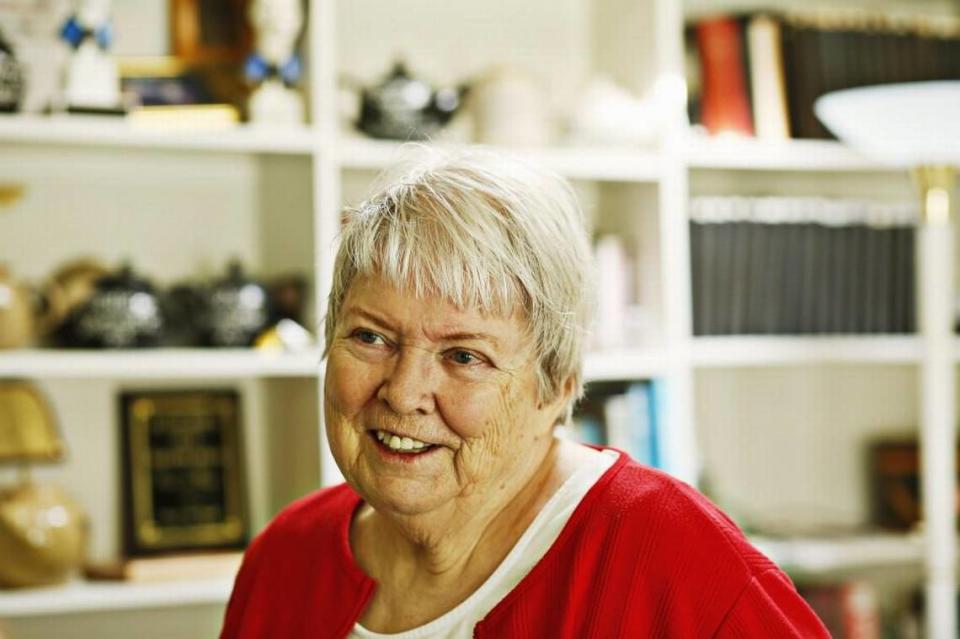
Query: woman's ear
560	405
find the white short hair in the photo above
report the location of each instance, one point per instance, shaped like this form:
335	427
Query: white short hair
484	231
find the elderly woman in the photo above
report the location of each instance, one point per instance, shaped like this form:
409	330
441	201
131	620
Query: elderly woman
454	348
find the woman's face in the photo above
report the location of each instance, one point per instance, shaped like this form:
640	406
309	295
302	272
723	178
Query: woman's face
461	386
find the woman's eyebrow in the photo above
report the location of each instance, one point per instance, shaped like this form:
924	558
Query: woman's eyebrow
370	316
453	336
467	337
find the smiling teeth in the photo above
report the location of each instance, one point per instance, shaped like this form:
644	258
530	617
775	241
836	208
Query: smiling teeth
401	444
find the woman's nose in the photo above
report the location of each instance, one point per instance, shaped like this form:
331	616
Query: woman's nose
408	387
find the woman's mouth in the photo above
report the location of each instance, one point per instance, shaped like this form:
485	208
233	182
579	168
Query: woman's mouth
399	444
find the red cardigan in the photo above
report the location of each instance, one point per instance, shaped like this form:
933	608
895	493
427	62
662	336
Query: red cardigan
643	555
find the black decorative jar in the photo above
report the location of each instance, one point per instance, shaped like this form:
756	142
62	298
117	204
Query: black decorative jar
402	107
123	312
237	310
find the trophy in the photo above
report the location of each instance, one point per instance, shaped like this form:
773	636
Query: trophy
274	67
92	80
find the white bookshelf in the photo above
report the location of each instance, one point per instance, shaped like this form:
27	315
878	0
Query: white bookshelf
625	364
90	596
774	350
178	363
751	154
614	164
110	131
806	556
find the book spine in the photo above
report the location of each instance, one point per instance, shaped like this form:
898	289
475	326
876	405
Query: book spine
655	424
696	276
768	88
725	102
616	414
612	268
638	402
666	453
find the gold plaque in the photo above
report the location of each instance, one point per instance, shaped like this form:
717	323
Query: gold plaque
183	471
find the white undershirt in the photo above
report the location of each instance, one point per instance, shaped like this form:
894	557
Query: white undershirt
529	549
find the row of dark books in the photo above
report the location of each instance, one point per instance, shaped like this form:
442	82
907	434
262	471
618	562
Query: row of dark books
629	416
760	74
776	265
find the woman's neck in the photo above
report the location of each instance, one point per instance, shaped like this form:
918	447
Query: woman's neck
462	544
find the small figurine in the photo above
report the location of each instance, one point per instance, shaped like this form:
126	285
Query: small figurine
274	67
92	81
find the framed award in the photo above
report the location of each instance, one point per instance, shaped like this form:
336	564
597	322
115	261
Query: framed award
183	471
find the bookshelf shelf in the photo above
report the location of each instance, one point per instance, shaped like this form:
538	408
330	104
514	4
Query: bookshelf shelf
114	132
180	363
625	364
751	154
85	597
814	556
613	164
763	350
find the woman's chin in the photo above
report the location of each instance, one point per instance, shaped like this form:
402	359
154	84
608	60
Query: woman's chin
402	496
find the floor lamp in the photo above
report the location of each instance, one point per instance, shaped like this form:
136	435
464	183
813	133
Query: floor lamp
917	126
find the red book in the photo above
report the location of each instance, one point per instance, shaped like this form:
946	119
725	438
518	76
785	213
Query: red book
726	101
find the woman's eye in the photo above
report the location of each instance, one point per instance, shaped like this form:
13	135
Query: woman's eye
368	337
464	358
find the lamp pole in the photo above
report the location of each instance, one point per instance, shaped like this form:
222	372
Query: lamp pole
938	441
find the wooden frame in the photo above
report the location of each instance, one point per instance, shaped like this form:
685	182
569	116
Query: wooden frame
183	472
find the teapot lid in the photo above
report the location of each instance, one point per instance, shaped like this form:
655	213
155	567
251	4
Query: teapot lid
399	70
125	278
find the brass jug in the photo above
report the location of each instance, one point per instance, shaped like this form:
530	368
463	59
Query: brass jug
42	536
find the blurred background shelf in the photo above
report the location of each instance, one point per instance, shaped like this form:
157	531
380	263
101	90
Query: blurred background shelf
86	597
817	556
110	131
613	164
752	154
762	350
179	363
625	364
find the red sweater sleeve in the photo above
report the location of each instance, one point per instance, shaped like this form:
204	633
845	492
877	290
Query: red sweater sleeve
770	607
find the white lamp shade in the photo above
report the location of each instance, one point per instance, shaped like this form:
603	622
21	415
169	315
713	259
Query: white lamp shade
906	124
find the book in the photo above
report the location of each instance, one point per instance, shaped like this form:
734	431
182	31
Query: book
179	567
664	453
697	276
617	418
613	292
642	438
725	102
768	88
771	68
776	265
184	117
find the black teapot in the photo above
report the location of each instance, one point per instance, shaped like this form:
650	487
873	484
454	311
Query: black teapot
237	310
404	108
122	312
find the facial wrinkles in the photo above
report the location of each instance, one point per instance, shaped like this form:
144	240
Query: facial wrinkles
486	455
